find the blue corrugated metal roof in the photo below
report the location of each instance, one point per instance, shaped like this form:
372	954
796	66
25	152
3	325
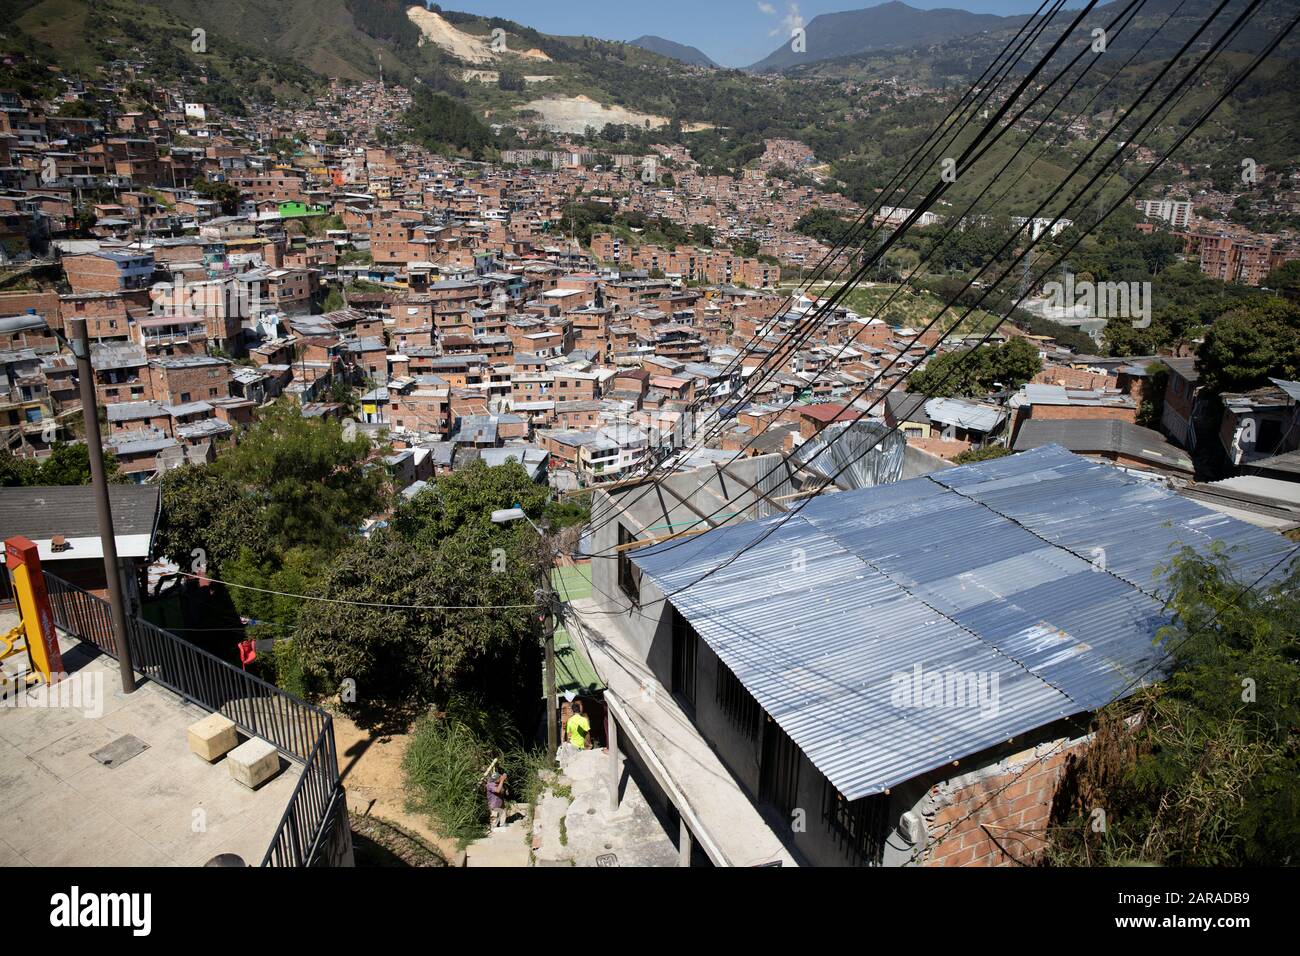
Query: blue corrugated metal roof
1036	570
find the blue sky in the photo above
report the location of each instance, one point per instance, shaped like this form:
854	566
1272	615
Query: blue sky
733	32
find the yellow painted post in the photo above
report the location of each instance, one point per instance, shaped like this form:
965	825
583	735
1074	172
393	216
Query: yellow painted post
24	562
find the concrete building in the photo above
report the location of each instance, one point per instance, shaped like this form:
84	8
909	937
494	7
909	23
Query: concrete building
781	698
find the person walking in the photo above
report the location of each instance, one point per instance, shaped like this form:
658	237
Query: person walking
578	728
496	788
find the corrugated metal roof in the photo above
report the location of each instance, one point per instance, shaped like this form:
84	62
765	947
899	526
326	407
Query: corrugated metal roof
973	415
1291	388
991	571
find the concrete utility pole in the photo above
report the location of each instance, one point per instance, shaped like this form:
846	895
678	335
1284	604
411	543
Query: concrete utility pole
80	341
548	640
545	597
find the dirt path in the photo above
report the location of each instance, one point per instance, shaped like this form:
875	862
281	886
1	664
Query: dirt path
371	767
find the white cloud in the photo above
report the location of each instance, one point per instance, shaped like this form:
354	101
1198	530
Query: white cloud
792	21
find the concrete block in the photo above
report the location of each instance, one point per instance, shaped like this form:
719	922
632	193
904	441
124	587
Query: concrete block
212	737
253	762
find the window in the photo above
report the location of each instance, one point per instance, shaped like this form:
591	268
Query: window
738	703
859	826
629	576
778	773
685	647
1270	435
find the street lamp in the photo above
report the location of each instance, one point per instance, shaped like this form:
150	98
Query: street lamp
546	599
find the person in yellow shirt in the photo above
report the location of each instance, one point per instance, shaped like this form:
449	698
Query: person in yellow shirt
578	727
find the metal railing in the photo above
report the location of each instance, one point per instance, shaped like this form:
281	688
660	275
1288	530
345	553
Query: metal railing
313	830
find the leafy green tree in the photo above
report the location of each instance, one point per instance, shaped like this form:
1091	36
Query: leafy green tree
441	123
443	550
310	480
291	482
467	498
1203	769
962	372
206	517
561	514
1251	344
824	225
1285	279
224	193
975	455
68	463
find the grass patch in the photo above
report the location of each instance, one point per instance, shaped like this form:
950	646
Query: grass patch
445	764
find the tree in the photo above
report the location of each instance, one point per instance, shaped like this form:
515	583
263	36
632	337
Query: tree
511	81
988	453
1250	344
439	122
468	497
1014	363
309	478
68	463
291	482
224	193
464	584
206	518
824	225
1285	278
1204	769
963	372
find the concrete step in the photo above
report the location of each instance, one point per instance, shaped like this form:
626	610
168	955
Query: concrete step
504	846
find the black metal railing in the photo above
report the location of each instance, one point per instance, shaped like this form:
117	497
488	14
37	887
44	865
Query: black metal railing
313	830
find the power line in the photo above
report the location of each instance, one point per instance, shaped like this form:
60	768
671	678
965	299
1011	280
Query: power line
370	604
830	304
949	305
1015	44
1192	72
956	224
913	163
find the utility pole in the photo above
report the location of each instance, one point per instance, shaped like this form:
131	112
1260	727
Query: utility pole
547	597
80	340
546	603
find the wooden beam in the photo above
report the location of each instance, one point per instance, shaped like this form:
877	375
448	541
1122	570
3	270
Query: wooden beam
664	486
806	493
668	537
758	491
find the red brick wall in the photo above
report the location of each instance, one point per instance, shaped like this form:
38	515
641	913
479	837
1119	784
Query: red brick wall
998	819
1077	412
1074	378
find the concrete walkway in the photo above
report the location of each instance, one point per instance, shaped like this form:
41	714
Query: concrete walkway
734	832
576	827
503	846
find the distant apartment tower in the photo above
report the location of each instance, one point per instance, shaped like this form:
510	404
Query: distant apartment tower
1246	259
1176	212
